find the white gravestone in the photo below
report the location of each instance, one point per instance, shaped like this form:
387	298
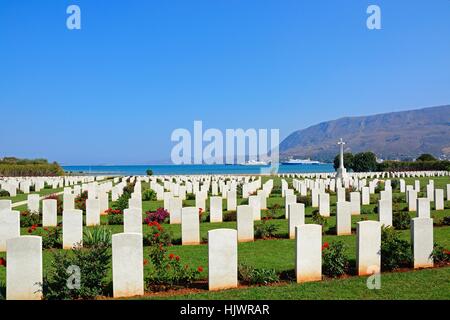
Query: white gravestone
68	201
215	210
368	247
296	217
24	268
72	228
5	205
127	265
412	200
343	218
49	213
132	220
9	227
355	203
92	212
422	241
222	259
231	201
308	259
175	205
324	204
254	202
423	208
190	226
287	201
385	212
245	223
33	203
439	199
365	198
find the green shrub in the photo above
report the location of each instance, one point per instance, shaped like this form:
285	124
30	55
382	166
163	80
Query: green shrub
157	235
122	202
401	220
395	184
334	260
318	219
4	193
251	275
80	201
97	236
446	221
115	217
395	252
306	200
265	229
229	216
93	264
29	219
440	255
149	195
190	196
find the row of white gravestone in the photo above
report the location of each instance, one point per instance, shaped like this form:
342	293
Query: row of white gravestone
24	256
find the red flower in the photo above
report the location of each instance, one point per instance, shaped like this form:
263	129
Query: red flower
325	246
156	235
145	262
447	252
200	269
46	229
3	262
177	258
30	230
171	256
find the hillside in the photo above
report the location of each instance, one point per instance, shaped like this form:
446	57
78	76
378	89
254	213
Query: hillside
395	135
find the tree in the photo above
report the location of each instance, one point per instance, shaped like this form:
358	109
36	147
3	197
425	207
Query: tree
348	160
149	172
365	162
426	157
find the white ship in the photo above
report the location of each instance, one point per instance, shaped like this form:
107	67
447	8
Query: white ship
254	163
300	161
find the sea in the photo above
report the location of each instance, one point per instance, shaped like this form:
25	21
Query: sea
128	170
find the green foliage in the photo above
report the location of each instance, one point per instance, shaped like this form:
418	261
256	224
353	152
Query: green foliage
395	252
168	271
115	217
426	157
306	200
401	220
318	219
148	195
446	221
230	216
348	160
190	196
157	235
14	167
93	264
29	219
97	236
4	193
251	275
80	201
364	162
395	184
265	229
149	172
334	260
393	166
122	202
440	255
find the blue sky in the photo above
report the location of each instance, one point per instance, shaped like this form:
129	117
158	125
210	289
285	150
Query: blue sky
113	92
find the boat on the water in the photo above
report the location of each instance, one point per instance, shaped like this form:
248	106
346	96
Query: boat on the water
300	161
254	163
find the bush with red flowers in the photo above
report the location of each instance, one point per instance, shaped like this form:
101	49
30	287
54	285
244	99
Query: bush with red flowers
29	219
157	235
168	270
160	215
3	262
115	216
80	201
51	237
334	260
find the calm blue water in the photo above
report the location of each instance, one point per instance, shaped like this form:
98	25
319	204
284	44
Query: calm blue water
194	169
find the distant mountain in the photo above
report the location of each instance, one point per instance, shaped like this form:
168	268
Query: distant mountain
395	135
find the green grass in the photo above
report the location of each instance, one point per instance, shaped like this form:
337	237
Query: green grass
419	284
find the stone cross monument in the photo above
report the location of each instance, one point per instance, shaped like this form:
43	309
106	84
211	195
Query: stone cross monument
341	172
